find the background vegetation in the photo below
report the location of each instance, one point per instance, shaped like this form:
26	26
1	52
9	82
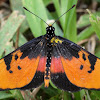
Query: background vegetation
79	25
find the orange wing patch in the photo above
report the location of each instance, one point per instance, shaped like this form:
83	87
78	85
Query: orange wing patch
83	71
17	73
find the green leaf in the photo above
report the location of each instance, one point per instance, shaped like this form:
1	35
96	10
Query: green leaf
67	96
69	19
17	94
9	47
84	20
53	85
86	33
4	95
9	29
22	39
56	97
95	94
80	95
34	22
95	22
17	5
46	2
58	10
70	30
97	51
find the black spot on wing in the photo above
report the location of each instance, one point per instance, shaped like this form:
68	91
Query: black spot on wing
81	67
10	71
92	60
61	81
7	60
37	80
8	67
90	71
84	57
16	57
25	53
19	68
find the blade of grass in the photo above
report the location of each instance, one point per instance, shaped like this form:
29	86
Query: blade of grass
70	30
68	19
97	51
46	2
85	33
63	10
34	22
84	20
95	22
17	5
80	95
4	95
21	38
9	29
67	96
60	9
17	94
9	47
96	94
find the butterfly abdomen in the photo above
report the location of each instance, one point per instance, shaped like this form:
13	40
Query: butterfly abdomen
50	34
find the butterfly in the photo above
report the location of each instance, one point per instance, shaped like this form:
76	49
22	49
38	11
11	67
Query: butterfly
50	57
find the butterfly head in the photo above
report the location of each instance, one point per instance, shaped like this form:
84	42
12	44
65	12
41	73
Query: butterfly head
50	28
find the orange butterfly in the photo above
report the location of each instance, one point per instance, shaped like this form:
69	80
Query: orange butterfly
69	66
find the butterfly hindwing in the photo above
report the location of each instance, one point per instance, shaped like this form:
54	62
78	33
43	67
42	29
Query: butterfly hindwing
20	69
81	67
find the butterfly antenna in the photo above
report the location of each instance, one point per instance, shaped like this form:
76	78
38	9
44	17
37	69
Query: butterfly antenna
34	14
64	13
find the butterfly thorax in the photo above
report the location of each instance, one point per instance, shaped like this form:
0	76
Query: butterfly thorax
49	35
